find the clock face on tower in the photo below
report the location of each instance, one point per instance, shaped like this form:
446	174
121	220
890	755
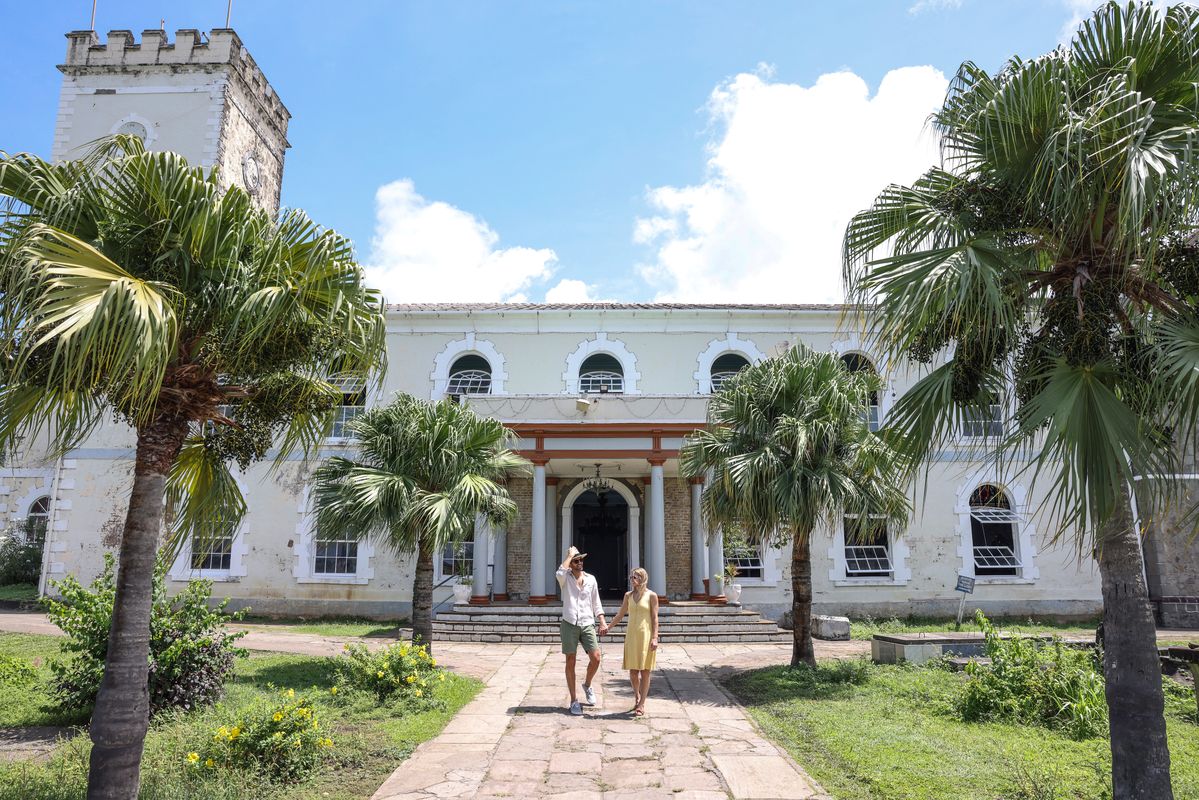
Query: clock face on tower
251	172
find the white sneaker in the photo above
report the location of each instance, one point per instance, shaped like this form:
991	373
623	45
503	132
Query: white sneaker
576	709
589	695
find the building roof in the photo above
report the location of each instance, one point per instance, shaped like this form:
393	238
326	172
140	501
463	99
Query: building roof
412	308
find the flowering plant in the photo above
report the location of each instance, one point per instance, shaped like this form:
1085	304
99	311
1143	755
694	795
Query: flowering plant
283	739
399	672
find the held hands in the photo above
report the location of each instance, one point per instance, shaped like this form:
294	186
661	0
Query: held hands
603	629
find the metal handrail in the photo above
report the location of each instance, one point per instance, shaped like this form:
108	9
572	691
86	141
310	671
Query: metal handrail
437	586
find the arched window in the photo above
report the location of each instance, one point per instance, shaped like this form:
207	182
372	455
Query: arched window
856	362
725	367
37	521
470	374
993	531
602	374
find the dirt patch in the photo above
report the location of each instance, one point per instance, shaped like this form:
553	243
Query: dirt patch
34	743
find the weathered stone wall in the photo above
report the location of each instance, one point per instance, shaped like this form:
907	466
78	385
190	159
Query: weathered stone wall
677	496
249	131
520	536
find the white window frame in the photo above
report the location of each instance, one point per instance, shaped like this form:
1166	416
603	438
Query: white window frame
759	550
473	378
838	574
181	569
601	344
601	381
730	343
304	569
853	345
469	345
342	416
1023	537
45	516
973	428
440	574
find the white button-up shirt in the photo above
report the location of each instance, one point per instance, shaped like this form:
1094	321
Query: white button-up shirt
580	604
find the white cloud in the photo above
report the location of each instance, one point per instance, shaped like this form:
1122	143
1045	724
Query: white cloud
920	6
790	165
569	290
430	251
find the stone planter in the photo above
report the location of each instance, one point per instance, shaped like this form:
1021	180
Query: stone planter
733	592
461	593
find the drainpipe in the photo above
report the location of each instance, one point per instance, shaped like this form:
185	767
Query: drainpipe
50	520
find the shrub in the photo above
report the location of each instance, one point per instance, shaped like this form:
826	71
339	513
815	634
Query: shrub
16	671
191	654
1034	683
281	739
400	672
20	559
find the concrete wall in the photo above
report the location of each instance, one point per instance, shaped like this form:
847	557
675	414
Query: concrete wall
1172	561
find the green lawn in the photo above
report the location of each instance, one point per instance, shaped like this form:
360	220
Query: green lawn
370	741
866	627
894	736
18	591
343	627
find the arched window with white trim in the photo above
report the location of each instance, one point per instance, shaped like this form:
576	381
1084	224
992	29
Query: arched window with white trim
37	521
856	362
725	367
470	374
601	373
993	532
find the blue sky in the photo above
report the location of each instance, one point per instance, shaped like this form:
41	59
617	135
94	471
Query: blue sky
580	150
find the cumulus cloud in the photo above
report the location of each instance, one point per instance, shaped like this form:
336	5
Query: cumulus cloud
789	165
569	290
920	6
430	251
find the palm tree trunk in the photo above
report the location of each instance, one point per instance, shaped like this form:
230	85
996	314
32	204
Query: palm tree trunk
422	598
1132	671
122	713
801	601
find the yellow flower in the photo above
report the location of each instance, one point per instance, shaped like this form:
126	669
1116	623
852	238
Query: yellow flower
209	763
419	693
314	724
278	735
441	676
233	734
297	743
403	651
333	690
386	664
432	662
345	646
192	758
278	716
379	674
326	742
291	692
411	679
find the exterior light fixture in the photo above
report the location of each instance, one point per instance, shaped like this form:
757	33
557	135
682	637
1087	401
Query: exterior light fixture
598	484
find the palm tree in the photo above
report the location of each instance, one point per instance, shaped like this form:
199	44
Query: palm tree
425	472
1053	248
130	285
787	448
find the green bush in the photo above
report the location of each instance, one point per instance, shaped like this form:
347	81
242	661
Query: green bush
191	654
20	559
282	740
1034	683
400	672
16	671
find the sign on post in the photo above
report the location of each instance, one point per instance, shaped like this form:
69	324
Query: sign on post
965	586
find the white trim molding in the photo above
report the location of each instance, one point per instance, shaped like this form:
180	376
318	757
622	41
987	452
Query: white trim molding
1026	550
468	346
901	571
151	132
601	344
182	571
731	343
305	553
853	345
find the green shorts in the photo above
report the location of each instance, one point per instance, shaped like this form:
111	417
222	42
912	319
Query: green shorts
573	635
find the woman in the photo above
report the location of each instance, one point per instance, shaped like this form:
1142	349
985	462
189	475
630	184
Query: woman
641	639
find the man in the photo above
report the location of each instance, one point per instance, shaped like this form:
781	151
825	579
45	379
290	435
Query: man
580	609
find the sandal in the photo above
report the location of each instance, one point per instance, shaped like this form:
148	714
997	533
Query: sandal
639	712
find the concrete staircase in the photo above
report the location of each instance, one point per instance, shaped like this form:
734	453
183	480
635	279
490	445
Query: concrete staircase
677	622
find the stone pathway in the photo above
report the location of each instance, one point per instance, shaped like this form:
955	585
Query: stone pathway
516	739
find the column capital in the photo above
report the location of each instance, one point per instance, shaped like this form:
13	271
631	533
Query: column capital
656	461
539	461
552	480
697	480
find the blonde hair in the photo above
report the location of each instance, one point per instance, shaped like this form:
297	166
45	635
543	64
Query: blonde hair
643	575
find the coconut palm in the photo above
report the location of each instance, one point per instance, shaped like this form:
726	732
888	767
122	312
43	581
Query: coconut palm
1052	248
787	448
132	286
425	471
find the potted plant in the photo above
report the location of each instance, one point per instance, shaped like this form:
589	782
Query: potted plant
732	589
462	587
716	592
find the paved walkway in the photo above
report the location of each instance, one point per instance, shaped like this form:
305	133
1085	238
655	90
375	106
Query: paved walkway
516	739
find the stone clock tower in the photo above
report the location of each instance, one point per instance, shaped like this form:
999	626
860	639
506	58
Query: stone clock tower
201	96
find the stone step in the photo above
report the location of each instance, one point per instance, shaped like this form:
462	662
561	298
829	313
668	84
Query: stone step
504	627
555	609
549	619
546	638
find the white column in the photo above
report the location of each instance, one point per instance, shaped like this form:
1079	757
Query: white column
537	545
649	527
657	515
716	561
699	554
478	594
634	537
567	529
552	559
499	570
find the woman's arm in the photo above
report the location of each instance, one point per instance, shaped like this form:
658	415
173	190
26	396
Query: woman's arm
624	607
653	610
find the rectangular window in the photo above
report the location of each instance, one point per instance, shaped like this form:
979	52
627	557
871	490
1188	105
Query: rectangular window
458	558
744	555
870	414
212	553
867	548
336	557
353	403
993	534
984	421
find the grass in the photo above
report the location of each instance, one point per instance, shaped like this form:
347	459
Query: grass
878	732
371	740
343	627
866	627
18	591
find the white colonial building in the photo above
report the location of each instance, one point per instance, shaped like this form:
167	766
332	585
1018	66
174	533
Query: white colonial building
604	393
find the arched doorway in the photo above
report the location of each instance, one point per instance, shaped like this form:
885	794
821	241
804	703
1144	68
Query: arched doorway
601	529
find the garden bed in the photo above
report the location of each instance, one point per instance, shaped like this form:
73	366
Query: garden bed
882	732
369	741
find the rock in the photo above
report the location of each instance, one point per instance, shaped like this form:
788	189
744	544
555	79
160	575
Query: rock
825	627
786	622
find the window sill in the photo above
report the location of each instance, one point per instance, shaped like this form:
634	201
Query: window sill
868	582
1003	579
345	580
202	575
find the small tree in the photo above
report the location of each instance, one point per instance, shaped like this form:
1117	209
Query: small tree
788	449
424	473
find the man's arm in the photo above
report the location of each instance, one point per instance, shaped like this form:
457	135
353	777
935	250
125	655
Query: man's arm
597	608
564	568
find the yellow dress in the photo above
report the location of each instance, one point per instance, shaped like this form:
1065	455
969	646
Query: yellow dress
637	654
